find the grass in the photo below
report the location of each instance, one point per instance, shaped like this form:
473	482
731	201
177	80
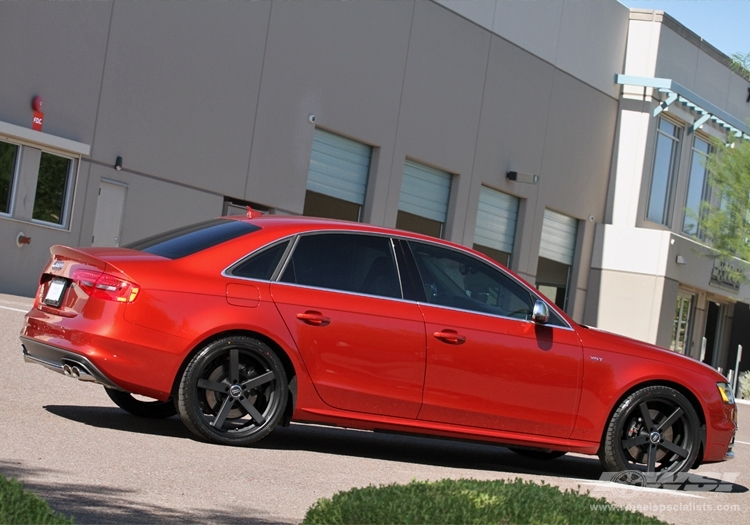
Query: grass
469	501
20	507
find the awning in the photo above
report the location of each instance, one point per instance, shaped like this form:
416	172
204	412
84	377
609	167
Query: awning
678	93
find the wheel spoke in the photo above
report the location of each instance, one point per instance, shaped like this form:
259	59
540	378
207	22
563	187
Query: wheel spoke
257	417
222	416
646	417
652	450
213	385
635	441
683	453
234	366
670	420
258	381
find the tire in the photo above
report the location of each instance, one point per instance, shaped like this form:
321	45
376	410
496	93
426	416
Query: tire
150	409
655	429
541	454
233	391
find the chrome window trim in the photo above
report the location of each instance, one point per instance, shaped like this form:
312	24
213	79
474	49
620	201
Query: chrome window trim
282	261
286	257
531	291
390	238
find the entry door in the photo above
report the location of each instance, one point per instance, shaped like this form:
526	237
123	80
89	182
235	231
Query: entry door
488	364
109	208
363	346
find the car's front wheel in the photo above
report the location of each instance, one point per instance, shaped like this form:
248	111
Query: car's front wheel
655	429
152	409
233	391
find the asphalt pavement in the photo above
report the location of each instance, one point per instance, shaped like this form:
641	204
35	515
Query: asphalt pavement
67	442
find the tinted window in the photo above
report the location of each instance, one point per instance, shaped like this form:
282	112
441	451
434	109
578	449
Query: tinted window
347	262
194	238
451	278
261	265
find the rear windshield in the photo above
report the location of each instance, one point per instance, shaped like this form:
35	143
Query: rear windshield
194	238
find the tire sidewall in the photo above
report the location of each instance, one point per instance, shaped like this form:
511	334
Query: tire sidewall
615	458
188	401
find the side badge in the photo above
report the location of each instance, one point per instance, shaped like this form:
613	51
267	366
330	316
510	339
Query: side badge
57	265
597	359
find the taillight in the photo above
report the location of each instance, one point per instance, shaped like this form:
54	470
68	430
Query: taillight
105	286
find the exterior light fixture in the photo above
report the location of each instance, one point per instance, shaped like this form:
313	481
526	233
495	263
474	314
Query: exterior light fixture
118	163
526	178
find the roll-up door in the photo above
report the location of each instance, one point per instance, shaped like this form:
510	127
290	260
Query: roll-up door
558	237
497	216
337	177
423	205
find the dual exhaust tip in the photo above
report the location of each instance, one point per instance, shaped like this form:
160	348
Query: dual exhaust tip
78	372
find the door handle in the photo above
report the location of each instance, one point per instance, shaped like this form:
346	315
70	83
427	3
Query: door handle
314	318
450	336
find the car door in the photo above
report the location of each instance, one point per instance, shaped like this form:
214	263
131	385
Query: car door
363	345
488	364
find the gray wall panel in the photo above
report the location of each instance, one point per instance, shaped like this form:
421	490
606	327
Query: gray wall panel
180	88
336	61
55	50
441	103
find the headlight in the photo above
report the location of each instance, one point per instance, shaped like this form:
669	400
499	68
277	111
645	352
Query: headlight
725	389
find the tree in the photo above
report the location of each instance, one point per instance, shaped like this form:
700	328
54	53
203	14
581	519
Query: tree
726	222
740	64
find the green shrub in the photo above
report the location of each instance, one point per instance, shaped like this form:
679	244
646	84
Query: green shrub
468	501
744	381
19	506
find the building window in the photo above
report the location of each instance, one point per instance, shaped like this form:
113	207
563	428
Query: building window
495	232
556	255
664	173
423	205
337	177
682	323
699	190
53	189
8	161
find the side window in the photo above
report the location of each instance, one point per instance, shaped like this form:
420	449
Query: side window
261	265
53	189
457	280
8	160
347	262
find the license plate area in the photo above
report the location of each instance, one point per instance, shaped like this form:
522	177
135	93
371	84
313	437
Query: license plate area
55	292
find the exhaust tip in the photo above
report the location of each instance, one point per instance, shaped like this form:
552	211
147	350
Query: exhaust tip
67	370
75	372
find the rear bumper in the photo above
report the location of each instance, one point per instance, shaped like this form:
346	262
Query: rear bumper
64	362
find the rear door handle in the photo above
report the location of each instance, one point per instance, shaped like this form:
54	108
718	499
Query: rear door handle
450	336
314	318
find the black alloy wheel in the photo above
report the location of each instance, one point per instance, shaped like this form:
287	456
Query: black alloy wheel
655	429
152	409
233	391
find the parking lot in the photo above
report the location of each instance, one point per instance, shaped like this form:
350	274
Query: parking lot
68	443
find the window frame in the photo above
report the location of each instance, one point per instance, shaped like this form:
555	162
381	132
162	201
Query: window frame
287	257
14	176
706	193
69	196
674	168
534	296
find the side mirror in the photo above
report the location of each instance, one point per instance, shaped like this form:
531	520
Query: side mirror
540	315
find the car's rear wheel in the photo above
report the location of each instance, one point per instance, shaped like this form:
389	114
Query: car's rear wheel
655	429
233	391
542	454
153	409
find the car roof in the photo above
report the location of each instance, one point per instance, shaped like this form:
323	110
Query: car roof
291	224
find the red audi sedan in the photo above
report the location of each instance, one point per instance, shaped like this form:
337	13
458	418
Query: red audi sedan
241	324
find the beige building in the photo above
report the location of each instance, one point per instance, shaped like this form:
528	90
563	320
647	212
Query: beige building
498	125
650	271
